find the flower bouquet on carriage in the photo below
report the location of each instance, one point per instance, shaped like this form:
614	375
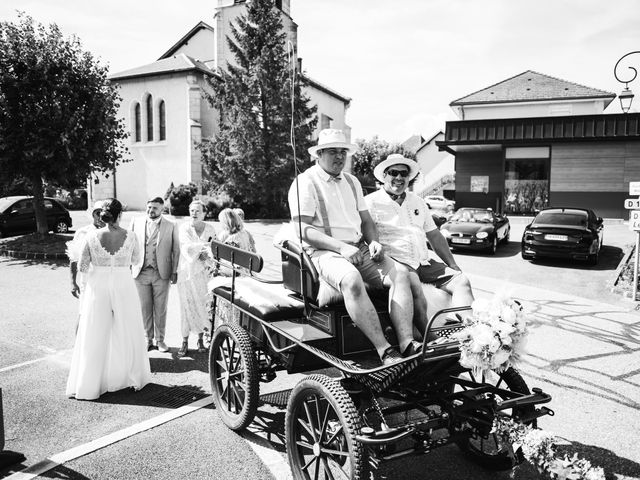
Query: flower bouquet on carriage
494	336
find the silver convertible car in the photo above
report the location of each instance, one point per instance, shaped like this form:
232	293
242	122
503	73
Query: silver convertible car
476	229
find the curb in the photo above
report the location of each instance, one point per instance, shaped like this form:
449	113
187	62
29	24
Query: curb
33	255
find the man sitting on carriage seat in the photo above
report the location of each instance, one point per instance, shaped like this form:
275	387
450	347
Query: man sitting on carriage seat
342	242
402	220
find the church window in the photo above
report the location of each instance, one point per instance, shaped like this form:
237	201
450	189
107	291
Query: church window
149	119
162	121
137	123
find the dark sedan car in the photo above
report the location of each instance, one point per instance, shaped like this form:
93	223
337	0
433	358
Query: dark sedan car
573	233
476	229
18	216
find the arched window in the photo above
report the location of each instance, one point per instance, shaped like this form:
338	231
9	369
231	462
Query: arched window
137	123
149	119
162	121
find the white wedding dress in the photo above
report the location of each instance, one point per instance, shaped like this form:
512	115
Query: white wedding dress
110	351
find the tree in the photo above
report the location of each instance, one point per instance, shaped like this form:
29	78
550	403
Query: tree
250	159
370	153
58	112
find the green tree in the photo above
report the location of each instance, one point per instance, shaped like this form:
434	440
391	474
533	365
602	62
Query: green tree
370	153
251	159
58	112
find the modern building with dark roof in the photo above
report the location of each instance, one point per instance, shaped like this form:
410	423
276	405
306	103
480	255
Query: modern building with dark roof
167	115
534	140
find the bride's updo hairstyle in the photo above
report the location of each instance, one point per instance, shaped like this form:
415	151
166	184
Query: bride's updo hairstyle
111	209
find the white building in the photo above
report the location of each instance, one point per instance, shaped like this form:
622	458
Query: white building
167	115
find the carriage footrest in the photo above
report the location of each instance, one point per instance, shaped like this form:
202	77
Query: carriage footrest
268	302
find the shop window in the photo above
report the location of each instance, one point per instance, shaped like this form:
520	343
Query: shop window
162	121
526	185
149	118
137	123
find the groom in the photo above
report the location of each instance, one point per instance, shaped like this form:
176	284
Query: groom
160	251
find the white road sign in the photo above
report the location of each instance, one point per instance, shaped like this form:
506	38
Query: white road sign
632	203
634	188
634	220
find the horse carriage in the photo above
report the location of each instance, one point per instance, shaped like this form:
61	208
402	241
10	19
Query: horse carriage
345	425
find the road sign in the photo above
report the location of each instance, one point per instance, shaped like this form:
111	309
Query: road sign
632	203
634	188
634	220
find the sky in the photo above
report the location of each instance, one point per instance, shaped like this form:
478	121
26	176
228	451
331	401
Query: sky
401	62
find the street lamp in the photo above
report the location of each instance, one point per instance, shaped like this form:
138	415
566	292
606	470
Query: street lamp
626	96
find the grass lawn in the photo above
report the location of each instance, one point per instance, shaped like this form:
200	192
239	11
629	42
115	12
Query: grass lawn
35	243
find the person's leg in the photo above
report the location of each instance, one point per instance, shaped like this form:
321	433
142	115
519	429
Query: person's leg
400	304
420	318
160	299
145	292
460	289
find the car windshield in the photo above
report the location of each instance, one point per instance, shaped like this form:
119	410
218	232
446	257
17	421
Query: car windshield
569	218
472	216
5	203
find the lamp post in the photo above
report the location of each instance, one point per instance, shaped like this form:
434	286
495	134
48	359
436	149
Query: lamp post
626	96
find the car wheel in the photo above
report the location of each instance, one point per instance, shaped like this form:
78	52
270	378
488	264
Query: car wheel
61	226
494	246
507	236
593	258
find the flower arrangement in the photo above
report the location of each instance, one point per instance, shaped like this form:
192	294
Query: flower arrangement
538	448
494	336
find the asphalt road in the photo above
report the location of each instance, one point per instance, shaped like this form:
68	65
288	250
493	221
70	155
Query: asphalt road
36	337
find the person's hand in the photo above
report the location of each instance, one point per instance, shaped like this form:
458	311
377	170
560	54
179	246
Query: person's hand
376	251
174	278
75	290
203	256
351	253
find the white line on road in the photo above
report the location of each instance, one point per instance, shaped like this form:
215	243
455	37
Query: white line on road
23	364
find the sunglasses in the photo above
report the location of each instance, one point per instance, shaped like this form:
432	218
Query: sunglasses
395	173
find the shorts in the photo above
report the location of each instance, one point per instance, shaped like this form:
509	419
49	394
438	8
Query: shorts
436	273
333	267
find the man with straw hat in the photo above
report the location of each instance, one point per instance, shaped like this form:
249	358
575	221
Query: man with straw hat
341	239
404	224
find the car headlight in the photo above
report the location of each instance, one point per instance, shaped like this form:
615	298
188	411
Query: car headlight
445	233
482	235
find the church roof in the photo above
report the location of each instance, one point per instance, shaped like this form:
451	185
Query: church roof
177	63
199	26
532	86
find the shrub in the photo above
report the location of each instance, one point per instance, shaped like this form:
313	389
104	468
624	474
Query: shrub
180	197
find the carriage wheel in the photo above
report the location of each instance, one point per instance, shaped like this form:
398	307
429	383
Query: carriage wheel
320	428
490	451
234	376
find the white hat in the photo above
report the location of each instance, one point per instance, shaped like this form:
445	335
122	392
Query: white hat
396	159
332	138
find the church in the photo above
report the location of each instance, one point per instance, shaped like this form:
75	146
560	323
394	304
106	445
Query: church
167	116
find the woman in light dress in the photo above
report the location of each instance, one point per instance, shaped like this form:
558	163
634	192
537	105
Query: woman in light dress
233	231
195	264
110	351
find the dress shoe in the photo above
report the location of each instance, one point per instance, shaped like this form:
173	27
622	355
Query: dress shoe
413	348
151	346
184	349
390	356
162	347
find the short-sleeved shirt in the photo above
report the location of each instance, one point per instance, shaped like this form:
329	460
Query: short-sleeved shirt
342	205
402	228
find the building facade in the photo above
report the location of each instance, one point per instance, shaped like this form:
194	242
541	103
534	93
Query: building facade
167	116
534	141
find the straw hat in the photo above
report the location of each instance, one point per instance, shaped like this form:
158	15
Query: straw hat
332	138
396	159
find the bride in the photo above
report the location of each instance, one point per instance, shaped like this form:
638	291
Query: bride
110	352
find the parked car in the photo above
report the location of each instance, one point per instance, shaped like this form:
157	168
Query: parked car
476	229
17	215
572	233
438	202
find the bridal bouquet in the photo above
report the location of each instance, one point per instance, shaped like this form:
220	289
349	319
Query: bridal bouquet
494	337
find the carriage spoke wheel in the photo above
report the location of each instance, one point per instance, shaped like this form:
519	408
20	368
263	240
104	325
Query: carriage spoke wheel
234	376
489	450
320	428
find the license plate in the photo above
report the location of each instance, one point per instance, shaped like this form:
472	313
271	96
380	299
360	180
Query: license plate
561	238
461	240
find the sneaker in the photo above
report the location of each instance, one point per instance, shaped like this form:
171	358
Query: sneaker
413	348
162	347
151	346
390	356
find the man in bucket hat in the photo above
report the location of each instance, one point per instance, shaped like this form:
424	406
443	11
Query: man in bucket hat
342	241
402	220
75	247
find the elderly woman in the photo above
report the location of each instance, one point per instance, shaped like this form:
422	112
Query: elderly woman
195	263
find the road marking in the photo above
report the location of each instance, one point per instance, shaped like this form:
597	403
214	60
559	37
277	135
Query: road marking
272	459
23	364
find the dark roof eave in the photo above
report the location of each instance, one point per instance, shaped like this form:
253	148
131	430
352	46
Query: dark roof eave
327	90
200	25
457	103
164	72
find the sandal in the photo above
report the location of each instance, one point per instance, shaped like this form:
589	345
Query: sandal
201	347
184	349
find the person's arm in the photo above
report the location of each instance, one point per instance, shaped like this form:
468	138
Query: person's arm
322	241
441	248
370	235
175	254
75	288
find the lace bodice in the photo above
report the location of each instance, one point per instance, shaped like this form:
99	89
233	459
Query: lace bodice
95	254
